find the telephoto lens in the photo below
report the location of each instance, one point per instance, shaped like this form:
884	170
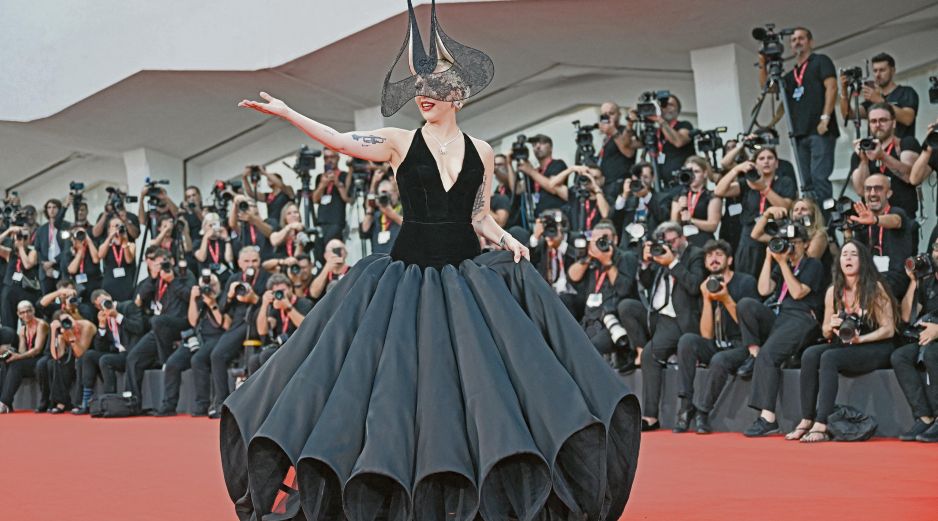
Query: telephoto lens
849	327
867	143
80	235
67	322
603	243
121	229
73	300
295	269
779	245
243	206
205	289
714	283
241	289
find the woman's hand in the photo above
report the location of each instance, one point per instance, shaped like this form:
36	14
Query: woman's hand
274	107
511	244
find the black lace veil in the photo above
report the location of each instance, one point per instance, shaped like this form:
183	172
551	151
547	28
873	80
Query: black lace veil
450	72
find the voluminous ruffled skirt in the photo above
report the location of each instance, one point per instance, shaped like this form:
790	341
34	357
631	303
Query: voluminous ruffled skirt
455	394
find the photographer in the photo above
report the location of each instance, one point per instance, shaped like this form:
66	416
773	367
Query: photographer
298	269
238	302
886	154
927	163
671	271
193	212
673	138
551	254
720	343
173	235
81	262
807	213
214	249
332	195
761	137
166	294
886	230
589	181
332	271
773	333
70	337
205	326
617	154
247	227
638	203
291	239
155	204
543	196
759	189
278	316
118	254
919	309
50	244
604	276
507	191
859	323
882	89
20	361
811	89
65	296
21	279
280	193
389	220
695	207
114	209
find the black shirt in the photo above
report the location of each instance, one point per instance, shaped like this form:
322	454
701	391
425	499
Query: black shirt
904	195
807	108
8	337
514	204
275	204
903	97
542	199
752	201
32	274
741	286
614	164
250	235
173	298
89	272
331	208
236	309
672	158
302	305
898	244
379	224
927	296
809	272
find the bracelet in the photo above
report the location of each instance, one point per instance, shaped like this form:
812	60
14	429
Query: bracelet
877	220
501	242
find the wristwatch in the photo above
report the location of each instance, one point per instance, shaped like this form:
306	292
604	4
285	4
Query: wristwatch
825	117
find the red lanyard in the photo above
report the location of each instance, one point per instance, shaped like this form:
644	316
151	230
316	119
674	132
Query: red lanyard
385	223
330	275
784	291
270	197
118	254
590	215
289	247
887	151
672	124
543	169
329	188
556	263
848	309
30	337
501	189
692	202
799	76
214	254
19	265
161	288
762	197
599	281
253	234
869	231
81	265
285	320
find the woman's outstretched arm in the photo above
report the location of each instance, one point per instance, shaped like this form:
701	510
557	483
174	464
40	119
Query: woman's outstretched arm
482	221
374	145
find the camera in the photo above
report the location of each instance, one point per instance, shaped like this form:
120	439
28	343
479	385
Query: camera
255	174
295	269
931	140
714	283
585	151
22	234
107	304
279	294
760	141
604	243
682	177
783	232
67	322
166	266
241	289
190	339
616	331
855	77
384	199
867	143
337	251
305	160
80	235
708	140
933	90
658	248
649	103
772	46
840	211
921	266
243	206
73	300
76	187
519	149
5	355
849	328
153	189
753	175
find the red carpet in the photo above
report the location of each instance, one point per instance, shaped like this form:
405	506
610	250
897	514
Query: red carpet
63	467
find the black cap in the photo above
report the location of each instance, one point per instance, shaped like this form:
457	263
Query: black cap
540	138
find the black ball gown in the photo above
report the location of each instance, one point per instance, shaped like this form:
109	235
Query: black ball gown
433	383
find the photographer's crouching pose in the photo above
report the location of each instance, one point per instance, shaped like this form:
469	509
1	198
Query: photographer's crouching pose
859	323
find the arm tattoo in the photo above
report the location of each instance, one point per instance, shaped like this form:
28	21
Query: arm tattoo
479	201
369	140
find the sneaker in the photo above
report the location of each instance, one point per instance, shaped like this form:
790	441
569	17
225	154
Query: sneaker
929	436
761	427
918	428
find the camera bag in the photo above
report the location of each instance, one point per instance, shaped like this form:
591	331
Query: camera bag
114	406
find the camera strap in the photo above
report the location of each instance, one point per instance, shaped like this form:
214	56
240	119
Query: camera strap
590	215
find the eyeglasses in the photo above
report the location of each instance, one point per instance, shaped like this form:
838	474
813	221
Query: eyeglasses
874	188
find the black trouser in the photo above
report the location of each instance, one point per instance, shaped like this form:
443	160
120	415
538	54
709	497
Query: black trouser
201	363
88	367
779	337
179	361
693	348
574	304
13	374
61	378
152	350
665	333
922	398
109	364
210	366
821	366
256	360
42	376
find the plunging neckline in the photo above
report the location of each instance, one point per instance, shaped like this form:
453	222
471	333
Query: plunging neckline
439	173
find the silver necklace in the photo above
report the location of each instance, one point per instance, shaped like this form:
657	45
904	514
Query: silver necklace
443	145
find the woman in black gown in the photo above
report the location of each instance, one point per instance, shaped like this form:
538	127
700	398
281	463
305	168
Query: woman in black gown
435	382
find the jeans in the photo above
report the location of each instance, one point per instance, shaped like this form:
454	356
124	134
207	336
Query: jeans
816	161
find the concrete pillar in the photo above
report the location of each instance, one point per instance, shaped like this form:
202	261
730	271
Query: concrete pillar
143	163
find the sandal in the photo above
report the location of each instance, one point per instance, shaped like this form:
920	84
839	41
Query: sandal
816	437
798	433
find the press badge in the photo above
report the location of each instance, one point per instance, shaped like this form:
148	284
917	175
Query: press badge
594	300
536	197
799	92
735	209
881	262
661	158
690	230
81	278
157	307
384	237
326	199
119	272
17	276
